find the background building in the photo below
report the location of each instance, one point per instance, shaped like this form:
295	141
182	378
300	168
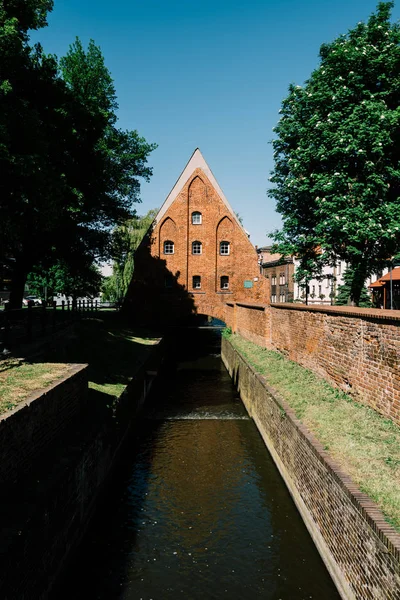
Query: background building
280	271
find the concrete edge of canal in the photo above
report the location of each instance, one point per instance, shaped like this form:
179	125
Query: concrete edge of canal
360	550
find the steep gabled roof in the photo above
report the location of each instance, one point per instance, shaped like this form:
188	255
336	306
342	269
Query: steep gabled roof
196	161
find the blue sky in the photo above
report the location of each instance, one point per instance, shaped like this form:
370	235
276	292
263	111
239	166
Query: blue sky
207	74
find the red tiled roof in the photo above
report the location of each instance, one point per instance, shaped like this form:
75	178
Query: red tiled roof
395	275
382	280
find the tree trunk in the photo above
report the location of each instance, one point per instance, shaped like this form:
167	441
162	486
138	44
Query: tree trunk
357	284
18	280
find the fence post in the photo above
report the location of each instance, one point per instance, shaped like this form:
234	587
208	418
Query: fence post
43	317
62	305
6	328
54	313
29	323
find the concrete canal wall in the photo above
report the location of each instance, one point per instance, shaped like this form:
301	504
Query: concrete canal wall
49	497
360	550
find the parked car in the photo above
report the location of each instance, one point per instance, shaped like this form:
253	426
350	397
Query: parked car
31	301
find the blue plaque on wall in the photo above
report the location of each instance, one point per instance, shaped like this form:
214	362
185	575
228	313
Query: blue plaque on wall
248	284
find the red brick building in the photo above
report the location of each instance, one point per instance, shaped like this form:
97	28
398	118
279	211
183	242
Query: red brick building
197	255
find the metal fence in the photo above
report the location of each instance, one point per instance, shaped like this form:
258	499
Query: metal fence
25	325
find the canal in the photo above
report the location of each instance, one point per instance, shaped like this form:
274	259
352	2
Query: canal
197	509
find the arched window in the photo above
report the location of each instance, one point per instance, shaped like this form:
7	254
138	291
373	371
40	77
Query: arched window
224	282
169	247
196	247
224	248
196	218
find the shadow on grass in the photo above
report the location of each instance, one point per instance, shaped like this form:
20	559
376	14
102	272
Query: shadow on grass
112	348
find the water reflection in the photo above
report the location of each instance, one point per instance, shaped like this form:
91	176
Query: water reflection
201	511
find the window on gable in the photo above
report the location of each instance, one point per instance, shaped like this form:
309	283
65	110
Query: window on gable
224	248
224	282
169	247
168	281
196	282
196	247
196	218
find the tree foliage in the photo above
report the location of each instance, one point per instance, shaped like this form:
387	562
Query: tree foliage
69	175
337	154
343	297
126	239
85	280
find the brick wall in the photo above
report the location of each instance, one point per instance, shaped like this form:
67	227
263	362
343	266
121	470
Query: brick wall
160	277
355	349
252	322
360	550
45	514
35	423
218	224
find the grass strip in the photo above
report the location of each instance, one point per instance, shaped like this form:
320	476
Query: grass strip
112	348
18	380
365	444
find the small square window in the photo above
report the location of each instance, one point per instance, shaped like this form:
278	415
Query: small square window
224	282
196	282
224	248
169	247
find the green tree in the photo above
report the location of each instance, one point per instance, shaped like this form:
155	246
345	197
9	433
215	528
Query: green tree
343	297
24	15
120	157
109	290
337	155
126	239
26	77
50	126
83	280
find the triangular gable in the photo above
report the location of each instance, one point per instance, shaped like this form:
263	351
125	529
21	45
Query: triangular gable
196	161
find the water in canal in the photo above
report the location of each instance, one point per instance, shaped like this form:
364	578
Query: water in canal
198	511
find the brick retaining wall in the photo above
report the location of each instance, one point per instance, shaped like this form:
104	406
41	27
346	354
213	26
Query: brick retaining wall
360	550
358	350
37	421
45	514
